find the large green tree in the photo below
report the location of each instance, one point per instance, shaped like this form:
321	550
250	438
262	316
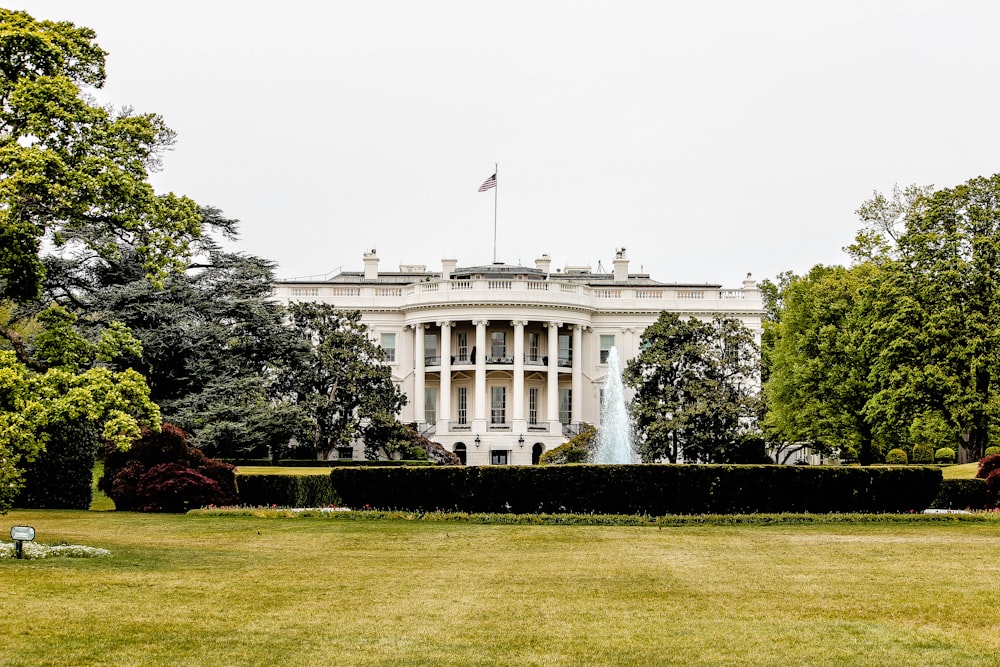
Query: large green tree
336	379
820	362
74	182
938	320
695	389
211	337
74	174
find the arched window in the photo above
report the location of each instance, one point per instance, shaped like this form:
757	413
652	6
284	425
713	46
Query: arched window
536	453
460	451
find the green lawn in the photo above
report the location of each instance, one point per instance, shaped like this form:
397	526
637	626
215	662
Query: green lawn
208	590
964	471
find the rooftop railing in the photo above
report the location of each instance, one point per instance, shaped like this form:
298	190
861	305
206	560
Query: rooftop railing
547	292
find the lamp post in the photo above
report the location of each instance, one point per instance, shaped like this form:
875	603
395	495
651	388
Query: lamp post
20	535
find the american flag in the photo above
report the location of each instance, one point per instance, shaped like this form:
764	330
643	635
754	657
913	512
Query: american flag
490	182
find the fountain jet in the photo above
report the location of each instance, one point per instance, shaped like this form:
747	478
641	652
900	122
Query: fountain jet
614	435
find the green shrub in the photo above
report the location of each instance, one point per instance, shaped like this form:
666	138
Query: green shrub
848	454
992	451
61	477
923	454
960	494
896	457
639	489
285	490
577	450
945	455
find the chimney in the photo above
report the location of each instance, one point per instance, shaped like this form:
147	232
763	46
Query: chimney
543	263
371	265
448	268
621	266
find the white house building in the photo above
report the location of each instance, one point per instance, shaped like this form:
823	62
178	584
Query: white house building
499	362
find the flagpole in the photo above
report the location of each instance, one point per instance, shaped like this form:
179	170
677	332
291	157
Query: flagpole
495	189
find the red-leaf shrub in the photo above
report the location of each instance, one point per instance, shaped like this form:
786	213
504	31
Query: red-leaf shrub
171	487
993	487
161	473
988	464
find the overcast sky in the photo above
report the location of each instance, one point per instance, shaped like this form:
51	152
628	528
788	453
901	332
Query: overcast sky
711	139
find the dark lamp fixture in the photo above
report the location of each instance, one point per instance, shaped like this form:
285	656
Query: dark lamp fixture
520	441
20	535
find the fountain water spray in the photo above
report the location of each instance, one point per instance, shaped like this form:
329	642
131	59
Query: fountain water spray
614	436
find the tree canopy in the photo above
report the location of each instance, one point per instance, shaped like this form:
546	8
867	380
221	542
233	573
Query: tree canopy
336	378
901	349
74	174
695	385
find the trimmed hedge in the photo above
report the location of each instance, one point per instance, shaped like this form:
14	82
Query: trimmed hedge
640	489
960	494
285	490
323	463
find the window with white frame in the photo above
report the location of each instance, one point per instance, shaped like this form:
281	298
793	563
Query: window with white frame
463	405
498	344
607	342
565	350
565	406
430	405
499	457
431	350
533	347
388	344
463	346
498	405
532	405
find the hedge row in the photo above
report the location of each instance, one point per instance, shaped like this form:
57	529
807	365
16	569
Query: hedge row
960	494
316	463
285	490
640	489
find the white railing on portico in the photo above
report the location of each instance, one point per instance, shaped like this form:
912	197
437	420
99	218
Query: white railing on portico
551	293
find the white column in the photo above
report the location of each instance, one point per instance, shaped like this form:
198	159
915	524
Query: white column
518	425
444	396
418	373
479	414
577	395
552	403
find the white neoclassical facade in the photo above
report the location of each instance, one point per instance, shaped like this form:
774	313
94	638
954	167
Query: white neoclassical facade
501	363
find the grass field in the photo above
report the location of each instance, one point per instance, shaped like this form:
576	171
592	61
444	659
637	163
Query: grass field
209	590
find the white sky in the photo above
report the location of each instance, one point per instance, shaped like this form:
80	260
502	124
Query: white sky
710	139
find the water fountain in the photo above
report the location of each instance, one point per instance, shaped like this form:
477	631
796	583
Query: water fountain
614	435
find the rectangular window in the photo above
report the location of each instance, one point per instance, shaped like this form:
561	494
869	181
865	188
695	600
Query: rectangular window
388	343
607	342
345	452
532	405
498	457
533	341
430	405
498	344
498	405
431	357
565	406
463	346
463	405
565	350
